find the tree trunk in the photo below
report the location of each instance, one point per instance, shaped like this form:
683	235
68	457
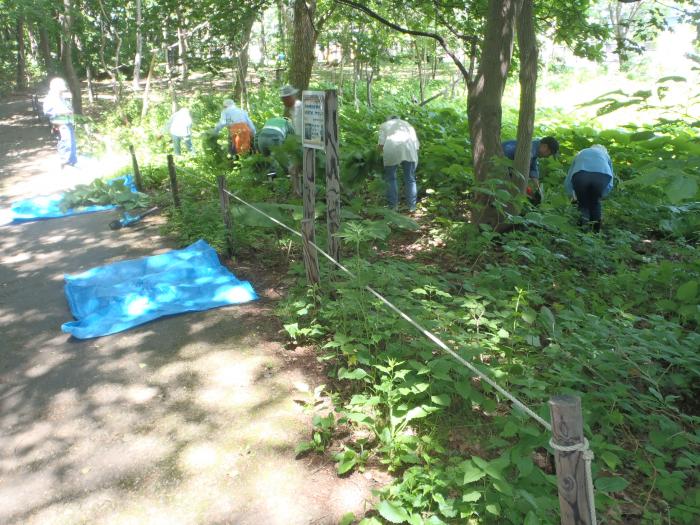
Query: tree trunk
147	91
242	60
139	48
304	44
21	57
369	75
527	44
45	49
263	41
419	61
66	20
90	87
182	49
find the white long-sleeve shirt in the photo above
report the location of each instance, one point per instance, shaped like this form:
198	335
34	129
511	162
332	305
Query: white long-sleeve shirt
399	142
234	115
180	124
58	108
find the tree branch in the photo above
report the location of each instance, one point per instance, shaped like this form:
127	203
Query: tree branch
406	31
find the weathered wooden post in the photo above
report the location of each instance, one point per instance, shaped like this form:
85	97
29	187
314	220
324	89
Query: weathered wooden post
226	212
308	230
137	172
313	138
572	459
174	190
332	172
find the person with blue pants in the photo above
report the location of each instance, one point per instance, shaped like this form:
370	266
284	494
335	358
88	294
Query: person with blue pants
57	106
589	180
399	145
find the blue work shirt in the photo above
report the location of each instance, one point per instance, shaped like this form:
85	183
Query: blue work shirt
594	160
509	151
234	115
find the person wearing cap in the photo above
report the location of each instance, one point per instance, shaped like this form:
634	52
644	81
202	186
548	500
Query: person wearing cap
545	147
292	106
57	106
241	130
399	145
180	128
589	180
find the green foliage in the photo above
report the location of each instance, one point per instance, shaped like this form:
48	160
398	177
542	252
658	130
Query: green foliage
102	192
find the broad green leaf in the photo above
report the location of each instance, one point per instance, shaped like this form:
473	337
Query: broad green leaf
472	473
442	400
608	484
356	374
682	188
642	135
347	519
469	497
494	508
611	460
687	291
392	512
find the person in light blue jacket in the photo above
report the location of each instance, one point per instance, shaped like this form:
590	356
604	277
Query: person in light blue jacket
589	179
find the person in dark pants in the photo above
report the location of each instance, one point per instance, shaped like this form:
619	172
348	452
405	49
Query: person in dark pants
544	147
589	179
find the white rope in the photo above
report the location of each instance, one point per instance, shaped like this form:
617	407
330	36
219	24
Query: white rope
435	339
588	456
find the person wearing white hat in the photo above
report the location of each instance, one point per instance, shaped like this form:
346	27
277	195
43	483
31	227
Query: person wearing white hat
292	106
57	106
241	130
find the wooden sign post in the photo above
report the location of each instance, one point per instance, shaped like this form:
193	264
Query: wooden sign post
174	191
137	172
330	114
226	213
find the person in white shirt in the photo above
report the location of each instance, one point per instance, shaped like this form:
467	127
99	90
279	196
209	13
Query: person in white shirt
180	128
57	106
241	130
292	106
399	145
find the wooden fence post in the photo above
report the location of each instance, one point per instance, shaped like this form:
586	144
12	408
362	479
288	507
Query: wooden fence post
174	190
332	172
137	172
308	230
226	212
570	453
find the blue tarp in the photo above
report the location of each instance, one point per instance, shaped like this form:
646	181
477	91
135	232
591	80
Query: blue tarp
49	206
116	297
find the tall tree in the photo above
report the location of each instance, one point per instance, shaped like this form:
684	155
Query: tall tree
21	57
139	48
66	19
303	43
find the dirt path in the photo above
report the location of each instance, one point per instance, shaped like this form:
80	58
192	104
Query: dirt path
187	420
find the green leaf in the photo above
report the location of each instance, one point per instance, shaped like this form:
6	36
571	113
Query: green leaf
642	135
442	400
687	291
682	188
608	484
611	460
356	374
472	473
494	508
469	497
347	519
392	512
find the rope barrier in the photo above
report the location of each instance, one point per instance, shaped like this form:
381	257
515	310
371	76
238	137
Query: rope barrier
435	339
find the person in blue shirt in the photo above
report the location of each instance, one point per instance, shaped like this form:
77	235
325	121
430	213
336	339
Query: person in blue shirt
589	179
544	147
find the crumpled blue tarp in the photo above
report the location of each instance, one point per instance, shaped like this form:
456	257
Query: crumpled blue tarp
49	206
116	297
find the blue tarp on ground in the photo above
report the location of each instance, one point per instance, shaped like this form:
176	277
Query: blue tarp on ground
116	297
49	206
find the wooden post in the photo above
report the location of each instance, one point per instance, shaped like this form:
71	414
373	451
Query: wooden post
308	230
572	474
137	172
173	182
226	212
332	172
